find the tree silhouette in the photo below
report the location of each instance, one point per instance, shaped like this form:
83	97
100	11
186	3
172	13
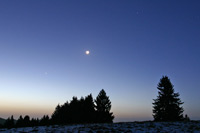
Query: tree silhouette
88	109
44	120
186	118
103	106
75	110
56	116
20	122
34	122
9	123
83	110
27	121
167	105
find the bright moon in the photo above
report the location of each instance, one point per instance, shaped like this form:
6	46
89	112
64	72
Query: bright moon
87	52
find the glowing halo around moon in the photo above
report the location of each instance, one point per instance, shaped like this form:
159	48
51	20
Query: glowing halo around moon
87	52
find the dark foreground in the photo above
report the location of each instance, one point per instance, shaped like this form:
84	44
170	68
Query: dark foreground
150	127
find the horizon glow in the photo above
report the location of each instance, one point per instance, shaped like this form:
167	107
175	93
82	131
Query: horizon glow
43	59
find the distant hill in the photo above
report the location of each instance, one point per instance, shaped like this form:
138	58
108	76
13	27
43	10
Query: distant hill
2	121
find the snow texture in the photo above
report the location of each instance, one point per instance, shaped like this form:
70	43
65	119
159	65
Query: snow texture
129	127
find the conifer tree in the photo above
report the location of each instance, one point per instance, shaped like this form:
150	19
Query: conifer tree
55	118
103	107
20	122
44	120
167	106
27	121
34	122
75	110
88	109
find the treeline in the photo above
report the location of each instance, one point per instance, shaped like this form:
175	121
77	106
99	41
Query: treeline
166	107
26	122
77	111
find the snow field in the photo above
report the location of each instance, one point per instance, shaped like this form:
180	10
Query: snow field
125	127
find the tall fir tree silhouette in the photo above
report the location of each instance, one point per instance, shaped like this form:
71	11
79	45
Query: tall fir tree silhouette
89	111
103	107
167	106
75	110
56	116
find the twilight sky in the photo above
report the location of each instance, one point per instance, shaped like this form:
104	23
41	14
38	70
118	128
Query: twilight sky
132	44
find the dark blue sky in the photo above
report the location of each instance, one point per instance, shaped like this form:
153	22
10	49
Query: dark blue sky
132	44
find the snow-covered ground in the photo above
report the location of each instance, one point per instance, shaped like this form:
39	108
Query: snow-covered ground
136	127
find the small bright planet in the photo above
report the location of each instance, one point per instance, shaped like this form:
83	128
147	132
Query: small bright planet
87	52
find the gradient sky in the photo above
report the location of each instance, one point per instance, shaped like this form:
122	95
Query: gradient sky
133	43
